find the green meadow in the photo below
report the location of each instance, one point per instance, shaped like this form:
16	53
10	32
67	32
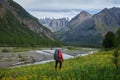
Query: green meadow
96	66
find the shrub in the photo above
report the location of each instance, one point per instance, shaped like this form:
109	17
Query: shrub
5	50
116	58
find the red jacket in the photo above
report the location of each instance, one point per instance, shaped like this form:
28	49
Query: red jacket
60	56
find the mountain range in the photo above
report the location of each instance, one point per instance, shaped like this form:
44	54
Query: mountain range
19	28
54	24
89	30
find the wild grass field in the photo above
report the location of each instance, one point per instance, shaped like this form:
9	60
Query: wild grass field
97	66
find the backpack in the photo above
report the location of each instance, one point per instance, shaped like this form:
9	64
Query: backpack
56	55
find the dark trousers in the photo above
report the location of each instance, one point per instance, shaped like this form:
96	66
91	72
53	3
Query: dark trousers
60	64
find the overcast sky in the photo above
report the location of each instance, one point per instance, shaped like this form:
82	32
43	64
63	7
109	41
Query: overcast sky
65	8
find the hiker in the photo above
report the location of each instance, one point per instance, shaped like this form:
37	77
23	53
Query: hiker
58	58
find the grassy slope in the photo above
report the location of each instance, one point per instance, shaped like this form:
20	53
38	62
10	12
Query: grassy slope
97	66
14	33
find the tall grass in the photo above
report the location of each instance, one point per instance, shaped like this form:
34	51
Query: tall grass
98	66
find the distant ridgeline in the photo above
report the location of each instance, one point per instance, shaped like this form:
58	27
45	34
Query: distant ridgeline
89	30
19	28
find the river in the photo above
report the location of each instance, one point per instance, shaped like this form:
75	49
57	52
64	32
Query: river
51	52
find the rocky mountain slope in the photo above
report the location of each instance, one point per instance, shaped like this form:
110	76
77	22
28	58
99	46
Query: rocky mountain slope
92	30
54	24
77	20
19	28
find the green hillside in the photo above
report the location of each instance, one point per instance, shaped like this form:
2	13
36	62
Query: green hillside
19	28
97	66
12	33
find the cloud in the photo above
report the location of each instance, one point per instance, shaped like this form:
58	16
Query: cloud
68	4
54	13
65	7
39	14
59	13
114	1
